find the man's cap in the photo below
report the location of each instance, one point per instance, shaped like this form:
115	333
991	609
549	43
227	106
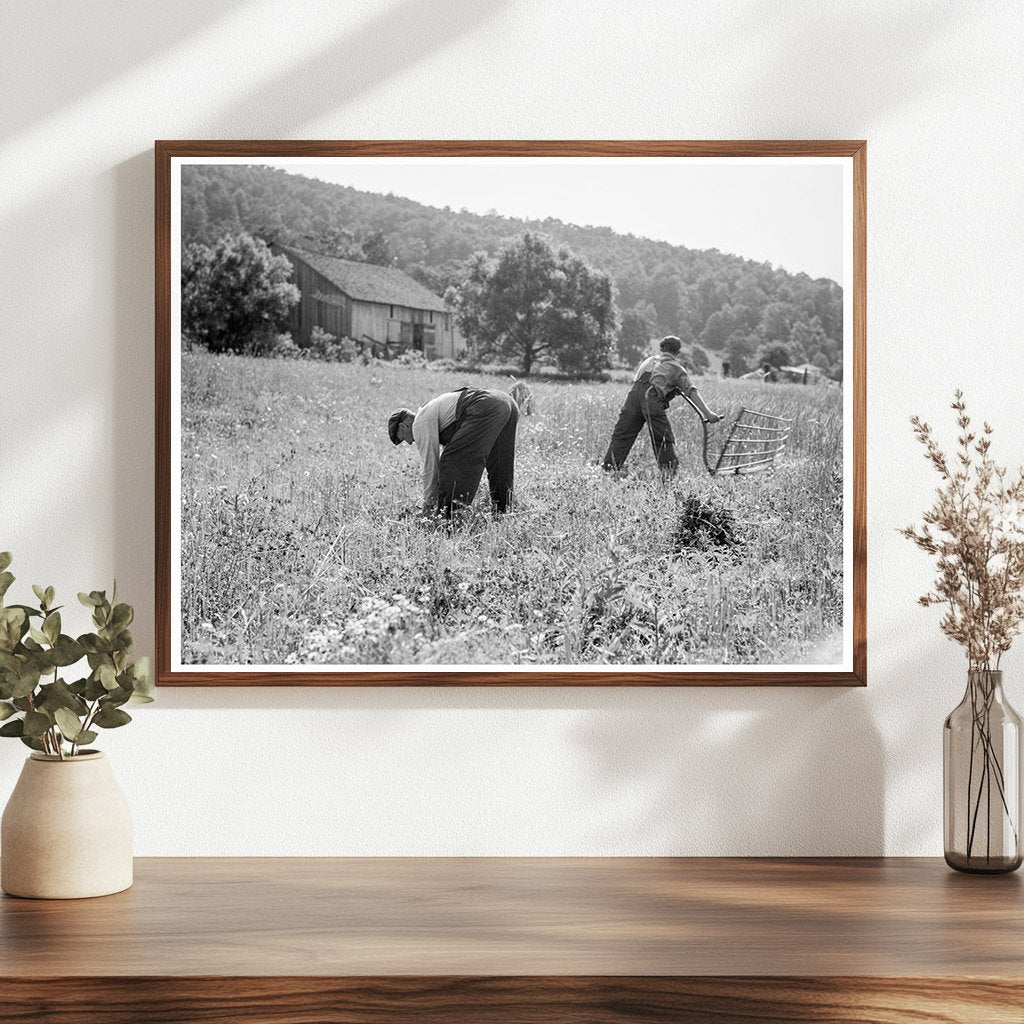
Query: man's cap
670	343
395	421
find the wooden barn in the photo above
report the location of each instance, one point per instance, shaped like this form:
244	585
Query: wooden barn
380	308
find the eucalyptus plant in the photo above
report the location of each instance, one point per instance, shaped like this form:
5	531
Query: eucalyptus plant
37	704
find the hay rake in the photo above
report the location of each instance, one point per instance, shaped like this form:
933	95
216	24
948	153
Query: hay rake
752	445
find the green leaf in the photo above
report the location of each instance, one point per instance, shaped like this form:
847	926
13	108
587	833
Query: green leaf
13	728
66	651
107	676
115	698
27	682
141	682
13	623
69	723
122	616
38	635
5	559
49	595
107	718
40	592
28	610
94	689
6	710
86	736
36	723
89	600
31	741
59	695
51	626
6	579
94	644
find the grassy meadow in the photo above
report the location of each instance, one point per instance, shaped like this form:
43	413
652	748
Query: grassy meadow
299	544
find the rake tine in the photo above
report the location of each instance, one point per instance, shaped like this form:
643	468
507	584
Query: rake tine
760	429
762	440
756	442
756	462
753	455
759	467
764	415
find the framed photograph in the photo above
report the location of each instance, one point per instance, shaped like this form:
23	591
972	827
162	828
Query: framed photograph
493	413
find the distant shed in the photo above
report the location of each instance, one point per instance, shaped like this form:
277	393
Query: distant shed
375	306
805	373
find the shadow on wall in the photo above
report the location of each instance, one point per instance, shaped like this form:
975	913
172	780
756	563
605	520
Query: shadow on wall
747	772
117	35
840	87
393	40
693	771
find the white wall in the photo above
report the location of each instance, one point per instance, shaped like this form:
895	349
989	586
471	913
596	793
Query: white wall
936	88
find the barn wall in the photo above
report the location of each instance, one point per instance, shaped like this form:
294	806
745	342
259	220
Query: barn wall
320	304
383	322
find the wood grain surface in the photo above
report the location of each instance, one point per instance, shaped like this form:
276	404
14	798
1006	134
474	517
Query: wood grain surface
167	150
518	1000
309	940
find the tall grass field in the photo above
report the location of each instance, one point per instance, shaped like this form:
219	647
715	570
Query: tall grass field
299	542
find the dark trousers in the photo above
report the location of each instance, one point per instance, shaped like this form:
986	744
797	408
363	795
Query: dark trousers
485	438
642	410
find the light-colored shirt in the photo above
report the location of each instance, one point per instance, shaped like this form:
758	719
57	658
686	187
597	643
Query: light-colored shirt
430	420
669	376
645	367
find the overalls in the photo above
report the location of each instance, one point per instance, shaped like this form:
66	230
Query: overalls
482	436
644	406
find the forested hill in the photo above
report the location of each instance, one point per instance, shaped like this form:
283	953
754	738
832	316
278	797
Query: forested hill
739	307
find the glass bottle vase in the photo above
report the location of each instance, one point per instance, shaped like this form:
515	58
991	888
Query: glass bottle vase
981	772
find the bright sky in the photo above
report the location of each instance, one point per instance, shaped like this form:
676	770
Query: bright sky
788	211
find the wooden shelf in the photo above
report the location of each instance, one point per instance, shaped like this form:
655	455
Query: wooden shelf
573	941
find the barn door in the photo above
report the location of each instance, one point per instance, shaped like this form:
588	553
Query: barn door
429	341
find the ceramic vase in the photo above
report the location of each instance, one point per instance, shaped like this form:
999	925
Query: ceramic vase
66	831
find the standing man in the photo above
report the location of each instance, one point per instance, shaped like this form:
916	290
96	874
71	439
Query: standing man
458	435
658	380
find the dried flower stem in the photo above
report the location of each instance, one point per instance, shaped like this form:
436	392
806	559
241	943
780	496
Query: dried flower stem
975	530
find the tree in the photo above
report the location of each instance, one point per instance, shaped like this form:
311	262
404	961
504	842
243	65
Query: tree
663	294
580	323
777	321
377	250
700	360
234	293
721	325
635	334
532	301
774	355
740	351
331	240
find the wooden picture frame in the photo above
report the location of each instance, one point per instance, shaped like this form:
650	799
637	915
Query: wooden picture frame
848	670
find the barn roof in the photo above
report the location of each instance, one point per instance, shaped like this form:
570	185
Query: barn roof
369	283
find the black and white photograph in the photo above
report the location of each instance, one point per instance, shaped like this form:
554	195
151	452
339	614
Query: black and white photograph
441	414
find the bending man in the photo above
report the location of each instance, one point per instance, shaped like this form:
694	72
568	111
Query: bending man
658	380
458	435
